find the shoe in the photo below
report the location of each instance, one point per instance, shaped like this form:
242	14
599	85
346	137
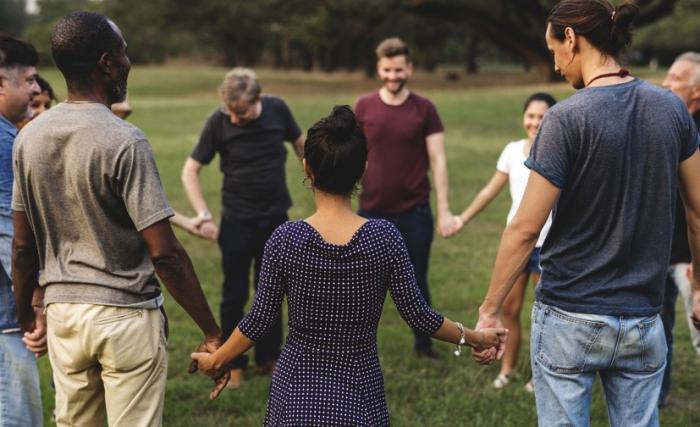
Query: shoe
530	387
236	380
266	368
502	380
426	353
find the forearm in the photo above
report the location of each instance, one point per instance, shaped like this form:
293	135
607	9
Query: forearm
25	271
513	253
694	243
480	202
448	332
440	181
177	274
193	189
234	346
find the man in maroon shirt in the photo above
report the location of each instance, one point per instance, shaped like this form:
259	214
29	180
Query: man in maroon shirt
405	138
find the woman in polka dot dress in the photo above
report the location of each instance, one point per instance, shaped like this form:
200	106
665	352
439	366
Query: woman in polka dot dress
335	268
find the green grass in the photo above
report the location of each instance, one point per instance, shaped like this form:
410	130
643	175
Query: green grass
171	104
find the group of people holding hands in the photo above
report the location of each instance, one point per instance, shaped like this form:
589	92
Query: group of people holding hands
598	186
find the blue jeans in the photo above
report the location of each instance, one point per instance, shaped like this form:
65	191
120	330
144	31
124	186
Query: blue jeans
20	399
416	227
569	349
242	242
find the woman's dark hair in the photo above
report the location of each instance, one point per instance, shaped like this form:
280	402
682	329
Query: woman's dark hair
336	152
539	96
607	28
45	86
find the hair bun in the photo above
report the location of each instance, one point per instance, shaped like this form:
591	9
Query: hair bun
623	18
341	123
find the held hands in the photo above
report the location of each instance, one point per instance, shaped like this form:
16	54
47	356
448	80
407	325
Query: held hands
205	228
203	359
484	356
448	224
487	338
35	336
695	298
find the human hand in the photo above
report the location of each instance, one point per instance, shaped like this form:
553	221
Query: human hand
486	338
35	338
449	224
209	367
490	354
208	230
696	309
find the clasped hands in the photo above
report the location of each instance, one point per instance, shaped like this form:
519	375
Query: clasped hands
202	227
220	375
486	354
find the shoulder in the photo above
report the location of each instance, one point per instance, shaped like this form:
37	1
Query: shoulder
385	231
272	101
421	101
367	99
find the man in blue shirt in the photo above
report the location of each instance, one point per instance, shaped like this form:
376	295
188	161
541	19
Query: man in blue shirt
608	160
20	401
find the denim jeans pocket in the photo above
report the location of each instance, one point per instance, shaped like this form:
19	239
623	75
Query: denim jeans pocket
564	340
653	343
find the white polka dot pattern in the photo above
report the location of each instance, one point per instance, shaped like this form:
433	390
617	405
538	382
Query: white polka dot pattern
328	373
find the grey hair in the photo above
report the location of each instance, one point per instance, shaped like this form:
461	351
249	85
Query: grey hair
693	57
240	84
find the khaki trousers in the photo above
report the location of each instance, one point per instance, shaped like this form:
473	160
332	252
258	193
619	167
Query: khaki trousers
108	362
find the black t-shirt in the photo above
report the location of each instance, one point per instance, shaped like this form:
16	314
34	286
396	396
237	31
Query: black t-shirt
680	251
252	159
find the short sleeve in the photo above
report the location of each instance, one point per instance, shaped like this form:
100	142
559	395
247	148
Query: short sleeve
549	155
503	163
433	124
140	187
205	150
17	199
291	128
692	139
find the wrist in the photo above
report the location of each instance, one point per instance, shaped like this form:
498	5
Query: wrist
488	312
204	215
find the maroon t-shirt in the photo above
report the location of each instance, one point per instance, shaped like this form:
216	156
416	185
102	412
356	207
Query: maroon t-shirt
396	179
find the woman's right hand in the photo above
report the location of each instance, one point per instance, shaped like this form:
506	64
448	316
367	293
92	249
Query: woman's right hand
486	338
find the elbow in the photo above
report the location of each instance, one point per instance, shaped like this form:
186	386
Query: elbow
167	258
523	231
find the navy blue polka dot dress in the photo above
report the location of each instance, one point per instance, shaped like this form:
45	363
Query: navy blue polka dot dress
328	373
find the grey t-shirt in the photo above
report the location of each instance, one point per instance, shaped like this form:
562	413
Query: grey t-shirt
88	184
614	152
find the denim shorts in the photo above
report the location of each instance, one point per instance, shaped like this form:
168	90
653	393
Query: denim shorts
533	264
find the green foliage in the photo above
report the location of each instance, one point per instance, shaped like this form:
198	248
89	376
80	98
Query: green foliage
171	105
12	17
672	35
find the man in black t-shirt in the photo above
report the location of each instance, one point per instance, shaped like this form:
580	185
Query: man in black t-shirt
248	133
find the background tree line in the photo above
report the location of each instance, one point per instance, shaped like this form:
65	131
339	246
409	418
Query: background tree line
329	35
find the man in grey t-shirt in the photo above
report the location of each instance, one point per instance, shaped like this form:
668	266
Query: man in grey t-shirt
90	211
608	160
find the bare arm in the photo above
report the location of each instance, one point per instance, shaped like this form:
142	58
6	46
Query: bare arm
517	242
173	266
299	146
25	270
193	188
485	196
435	145
690	192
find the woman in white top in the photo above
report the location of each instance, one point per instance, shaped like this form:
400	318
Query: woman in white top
510	168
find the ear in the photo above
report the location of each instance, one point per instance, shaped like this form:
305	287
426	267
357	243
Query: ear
570	38
409	68
105	64
307	169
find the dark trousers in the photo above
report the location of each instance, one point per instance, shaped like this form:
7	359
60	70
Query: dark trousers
242	243
668	317
416	227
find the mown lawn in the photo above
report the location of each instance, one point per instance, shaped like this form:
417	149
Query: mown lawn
171	104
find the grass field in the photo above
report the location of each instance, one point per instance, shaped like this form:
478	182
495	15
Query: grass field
171	105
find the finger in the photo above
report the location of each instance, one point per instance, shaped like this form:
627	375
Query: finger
193	367
219	386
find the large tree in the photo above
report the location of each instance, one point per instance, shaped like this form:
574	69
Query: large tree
517	26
